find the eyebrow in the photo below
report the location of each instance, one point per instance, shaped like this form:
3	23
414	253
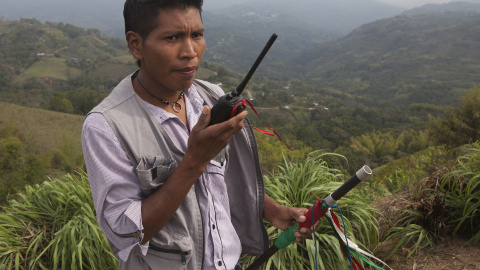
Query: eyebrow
181	32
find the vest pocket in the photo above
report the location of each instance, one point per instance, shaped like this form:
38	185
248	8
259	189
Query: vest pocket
153	171
215	167
174	256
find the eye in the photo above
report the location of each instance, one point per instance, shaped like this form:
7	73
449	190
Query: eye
171	38
197	35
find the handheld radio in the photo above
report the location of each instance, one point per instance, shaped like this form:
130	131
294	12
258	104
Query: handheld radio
223	109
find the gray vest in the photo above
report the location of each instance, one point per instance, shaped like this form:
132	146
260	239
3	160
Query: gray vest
180	244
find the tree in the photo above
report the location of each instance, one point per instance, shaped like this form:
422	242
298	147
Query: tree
84	100
59	103
377	144
461	124
17	166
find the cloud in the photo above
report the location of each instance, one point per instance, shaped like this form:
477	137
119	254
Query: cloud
413	3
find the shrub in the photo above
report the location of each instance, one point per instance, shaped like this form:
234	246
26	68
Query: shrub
462	192
53	226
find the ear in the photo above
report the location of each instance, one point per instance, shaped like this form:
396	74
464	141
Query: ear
135	44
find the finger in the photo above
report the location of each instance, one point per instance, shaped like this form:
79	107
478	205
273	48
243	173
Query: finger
232	125
238	119
203	120
299	236
298	214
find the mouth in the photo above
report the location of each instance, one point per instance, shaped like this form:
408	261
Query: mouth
188	71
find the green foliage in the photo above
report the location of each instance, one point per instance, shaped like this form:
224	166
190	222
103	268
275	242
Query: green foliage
60	104
272	152
21	164
376	144
65	158
461	124
103	61
56	159
10	130
18	167
78	101
84	100
404	59
300	185
53	226
39	56
447	203
383	147
412	236
462	192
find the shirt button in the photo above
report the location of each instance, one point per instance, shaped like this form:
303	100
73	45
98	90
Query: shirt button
219	263
213	226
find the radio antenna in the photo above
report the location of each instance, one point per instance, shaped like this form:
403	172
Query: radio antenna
242	85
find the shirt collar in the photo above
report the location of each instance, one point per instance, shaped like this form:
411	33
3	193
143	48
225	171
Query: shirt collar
191	96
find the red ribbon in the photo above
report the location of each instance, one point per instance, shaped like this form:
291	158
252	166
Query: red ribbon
244	104
356	265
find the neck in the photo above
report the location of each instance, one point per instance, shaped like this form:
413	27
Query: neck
149	94
178	98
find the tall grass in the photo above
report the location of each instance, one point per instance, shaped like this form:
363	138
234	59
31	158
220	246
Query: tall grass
462	189
300	185
53	226
447	203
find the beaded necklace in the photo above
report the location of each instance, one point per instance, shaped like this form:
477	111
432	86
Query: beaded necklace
177	107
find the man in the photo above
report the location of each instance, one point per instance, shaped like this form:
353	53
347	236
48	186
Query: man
170	191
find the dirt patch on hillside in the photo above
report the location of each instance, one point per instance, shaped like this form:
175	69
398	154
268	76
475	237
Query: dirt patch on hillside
451	254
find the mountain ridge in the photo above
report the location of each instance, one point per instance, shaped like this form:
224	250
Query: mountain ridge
405	59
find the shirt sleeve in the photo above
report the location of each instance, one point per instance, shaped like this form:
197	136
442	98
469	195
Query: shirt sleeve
114	185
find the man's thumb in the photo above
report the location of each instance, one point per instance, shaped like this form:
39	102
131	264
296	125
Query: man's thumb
300	215
204	117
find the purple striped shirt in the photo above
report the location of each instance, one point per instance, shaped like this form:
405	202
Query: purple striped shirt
116	190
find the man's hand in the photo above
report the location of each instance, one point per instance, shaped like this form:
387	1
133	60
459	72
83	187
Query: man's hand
204	143
281	216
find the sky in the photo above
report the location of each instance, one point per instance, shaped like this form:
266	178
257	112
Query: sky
413	3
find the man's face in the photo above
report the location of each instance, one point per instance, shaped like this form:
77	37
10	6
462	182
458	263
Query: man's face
172	52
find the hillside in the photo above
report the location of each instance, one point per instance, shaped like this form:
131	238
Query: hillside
234	39
384	78
457	6
234	33
426	58
81	57
43	129
240	27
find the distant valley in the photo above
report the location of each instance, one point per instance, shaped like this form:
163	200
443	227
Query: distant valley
235	29
318	90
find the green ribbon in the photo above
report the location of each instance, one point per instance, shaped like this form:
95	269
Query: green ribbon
287	237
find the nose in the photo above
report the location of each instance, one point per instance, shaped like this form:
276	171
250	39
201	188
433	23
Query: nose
188	49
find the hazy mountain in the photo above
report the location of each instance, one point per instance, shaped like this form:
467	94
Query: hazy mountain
466	7
105	15
235	40
407	59
339	16
242	29
236	29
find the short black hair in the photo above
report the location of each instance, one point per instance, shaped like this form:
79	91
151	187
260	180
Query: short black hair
140	15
